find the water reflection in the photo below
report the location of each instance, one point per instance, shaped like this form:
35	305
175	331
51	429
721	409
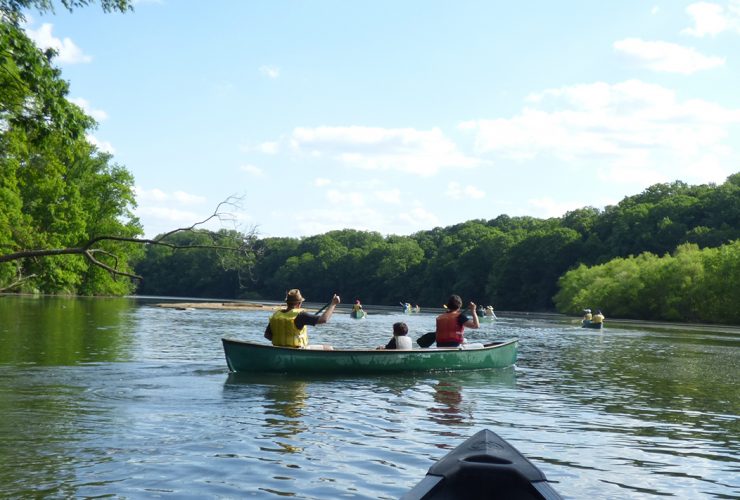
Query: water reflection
447	411
624	413
284	405
284	402
64	331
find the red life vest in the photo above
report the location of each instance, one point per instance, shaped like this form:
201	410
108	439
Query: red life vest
449	328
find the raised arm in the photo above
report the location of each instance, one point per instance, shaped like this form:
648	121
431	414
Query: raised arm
329	310
472	322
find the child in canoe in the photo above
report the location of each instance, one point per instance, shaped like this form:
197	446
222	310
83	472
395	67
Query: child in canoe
400	339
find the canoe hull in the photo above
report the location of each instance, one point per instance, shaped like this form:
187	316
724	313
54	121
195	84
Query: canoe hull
357	314
244	357
485	466
589	324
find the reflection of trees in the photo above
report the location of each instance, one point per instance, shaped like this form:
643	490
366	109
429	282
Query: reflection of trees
44	398
658	377
284	408
64	331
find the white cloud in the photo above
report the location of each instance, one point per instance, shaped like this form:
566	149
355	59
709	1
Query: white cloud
270	71
269	148
162	211
187	198
406	149
456	191
67	51
419	217
655	10
103	146
252	170
628	125
345	198
711	19
168	214
666	57
547	207
97	114
319	221
321	182
391	196
363	217
158	196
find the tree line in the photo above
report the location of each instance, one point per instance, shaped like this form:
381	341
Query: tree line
513	263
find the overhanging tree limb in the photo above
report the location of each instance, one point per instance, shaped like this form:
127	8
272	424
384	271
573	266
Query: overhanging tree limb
90	250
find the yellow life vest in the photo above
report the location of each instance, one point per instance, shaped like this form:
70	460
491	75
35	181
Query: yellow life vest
284	331
598	318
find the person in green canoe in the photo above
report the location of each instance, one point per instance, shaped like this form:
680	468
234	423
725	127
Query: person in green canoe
289	327
452	322
400	339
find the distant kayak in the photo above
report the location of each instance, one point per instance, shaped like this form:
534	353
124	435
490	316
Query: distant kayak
357	314
485	466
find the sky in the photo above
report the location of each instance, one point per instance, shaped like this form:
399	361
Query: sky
401	116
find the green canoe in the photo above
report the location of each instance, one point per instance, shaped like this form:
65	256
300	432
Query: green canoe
242	356
590	324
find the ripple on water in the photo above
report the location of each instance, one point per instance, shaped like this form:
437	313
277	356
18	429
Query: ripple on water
626	413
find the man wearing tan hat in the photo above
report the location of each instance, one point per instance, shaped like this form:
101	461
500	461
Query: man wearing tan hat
288	327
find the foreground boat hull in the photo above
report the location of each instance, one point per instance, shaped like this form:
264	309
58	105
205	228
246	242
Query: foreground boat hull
485	466
244	356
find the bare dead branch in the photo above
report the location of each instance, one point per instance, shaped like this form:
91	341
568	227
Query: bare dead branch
90	251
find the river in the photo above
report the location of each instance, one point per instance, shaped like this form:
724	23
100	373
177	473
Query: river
117	398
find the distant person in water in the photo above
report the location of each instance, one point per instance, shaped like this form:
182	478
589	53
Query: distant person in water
289	327
357	307
400	339
452	323
489	312
417	309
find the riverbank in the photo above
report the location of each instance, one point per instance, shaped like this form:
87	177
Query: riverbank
233	306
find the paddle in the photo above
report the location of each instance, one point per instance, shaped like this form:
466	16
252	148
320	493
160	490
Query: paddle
427	339
325	306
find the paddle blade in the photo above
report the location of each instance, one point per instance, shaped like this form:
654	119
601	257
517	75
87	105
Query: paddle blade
427	339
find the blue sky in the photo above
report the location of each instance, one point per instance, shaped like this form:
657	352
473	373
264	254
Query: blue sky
402	116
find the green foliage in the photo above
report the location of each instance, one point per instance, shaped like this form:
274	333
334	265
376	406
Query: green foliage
200	272
56	189
692	284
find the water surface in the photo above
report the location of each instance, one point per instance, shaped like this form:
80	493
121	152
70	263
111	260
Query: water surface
113	397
